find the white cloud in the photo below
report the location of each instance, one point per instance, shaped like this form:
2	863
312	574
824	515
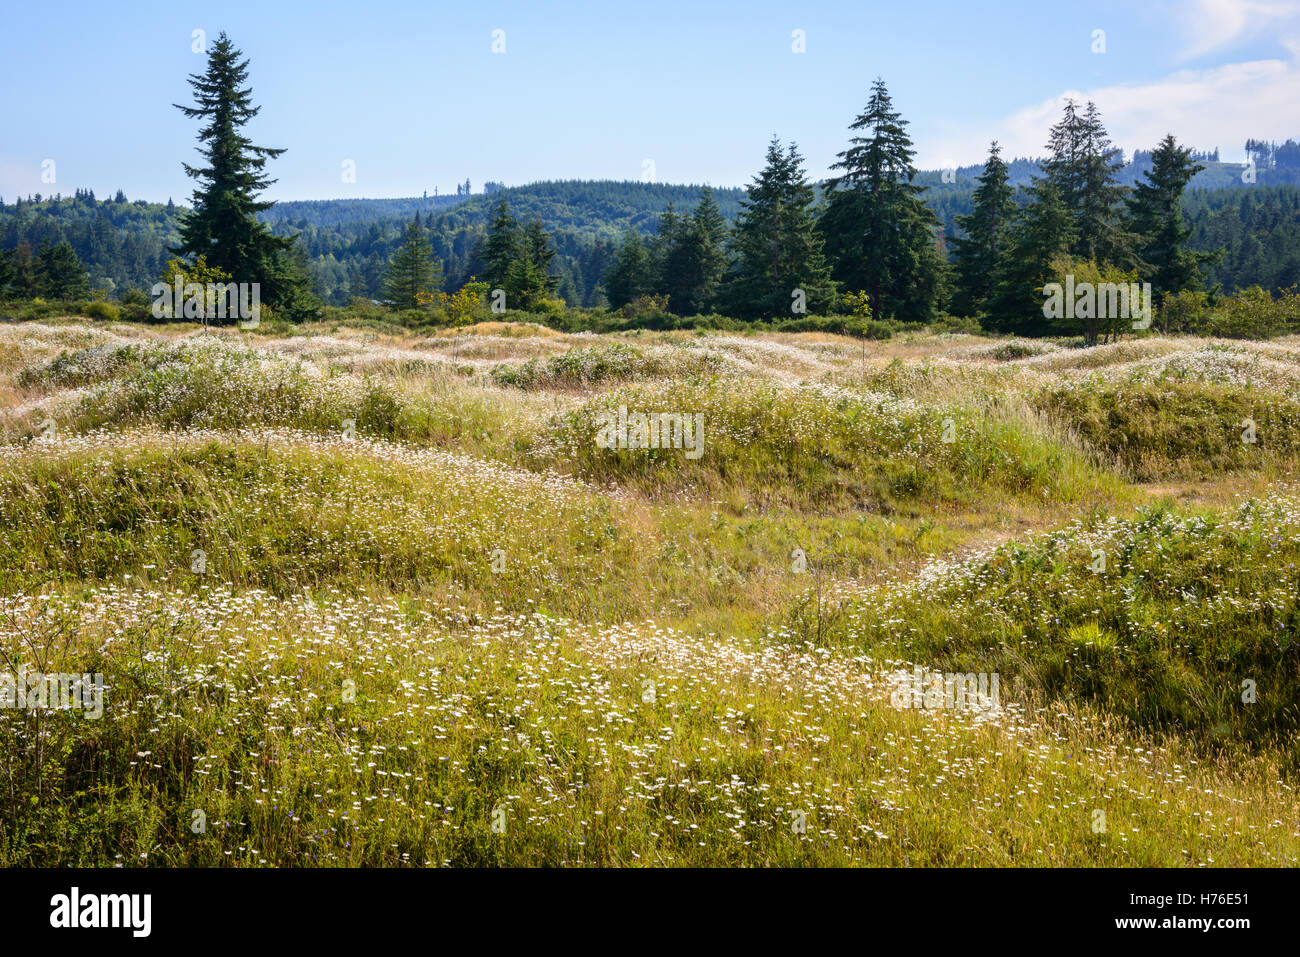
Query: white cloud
1214	24
1205	108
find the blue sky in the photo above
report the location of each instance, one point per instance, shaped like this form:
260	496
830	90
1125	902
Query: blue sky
413	94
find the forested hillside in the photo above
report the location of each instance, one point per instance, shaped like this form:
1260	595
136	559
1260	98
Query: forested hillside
123	244
586	219
349	242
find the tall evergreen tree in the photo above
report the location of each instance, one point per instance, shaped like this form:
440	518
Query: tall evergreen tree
26	280
530	280
778	248
694	258
412	274
1156	217
879	233
222	224
667	234
979	252
7	272
1084	167
1041	230
1064	164
503	245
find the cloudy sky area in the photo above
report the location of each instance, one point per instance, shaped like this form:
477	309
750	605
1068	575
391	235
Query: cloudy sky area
414	95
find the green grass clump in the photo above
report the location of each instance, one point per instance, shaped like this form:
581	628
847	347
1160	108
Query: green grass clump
1169	621
823	449
1175	428
87	366
287	518
601	364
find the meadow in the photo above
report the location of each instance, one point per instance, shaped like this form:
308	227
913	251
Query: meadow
366	596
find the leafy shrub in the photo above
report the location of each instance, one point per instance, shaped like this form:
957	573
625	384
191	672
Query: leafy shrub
963	325
644	307
1014	349
102	310
1249	314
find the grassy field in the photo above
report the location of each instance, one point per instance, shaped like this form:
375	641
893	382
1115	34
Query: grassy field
378	599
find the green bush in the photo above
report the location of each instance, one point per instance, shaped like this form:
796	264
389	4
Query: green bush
102	310
1249	314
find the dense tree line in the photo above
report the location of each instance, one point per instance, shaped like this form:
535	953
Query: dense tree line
790	249
1258	231
1076	218
123	244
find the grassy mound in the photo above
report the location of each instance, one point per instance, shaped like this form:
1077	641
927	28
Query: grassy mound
579	368
1174	428
244	730
822	447
1186	623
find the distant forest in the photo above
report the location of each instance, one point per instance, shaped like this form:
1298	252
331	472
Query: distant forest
349	242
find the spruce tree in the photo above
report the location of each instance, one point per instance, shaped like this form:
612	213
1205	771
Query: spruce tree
7	272
979	252
411	276
694	259
1156	217
1064	164
222	224
1084	167
25	281
879	234
1041	230
778	248
668	233
530	280
502	247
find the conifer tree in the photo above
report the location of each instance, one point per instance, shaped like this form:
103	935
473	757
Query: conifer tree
631	275
694	258
879	234
667	234
980	251
1156	217
60	274
222	224
779	262
25	280
530	281
503	245
1084	165
412	275
7	272
1041	230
